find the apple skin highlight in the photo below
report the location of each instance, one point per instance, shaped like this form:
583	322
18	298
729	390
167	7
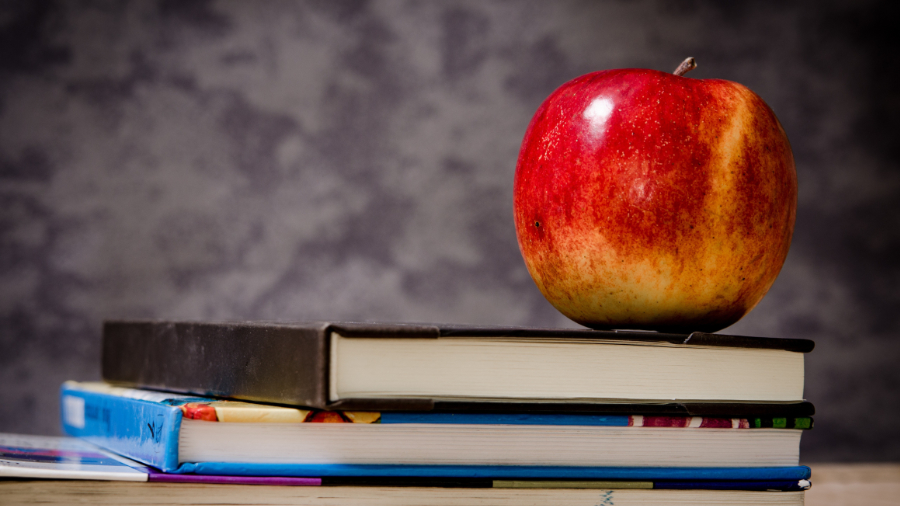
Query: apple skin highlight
647	200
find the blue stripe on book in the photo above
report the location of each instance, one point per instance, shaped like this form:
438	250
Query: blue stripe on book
522	472
505	419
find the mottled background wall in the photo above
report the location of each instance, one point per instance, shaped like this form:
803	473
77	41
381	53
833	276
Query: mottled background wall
354	160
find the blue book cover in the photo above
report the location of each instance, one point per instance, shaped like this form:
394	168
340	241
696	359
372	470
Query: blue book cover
150	426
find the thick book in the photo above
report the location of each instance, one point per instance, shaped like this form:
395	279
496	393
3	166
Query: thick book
367	366
185	434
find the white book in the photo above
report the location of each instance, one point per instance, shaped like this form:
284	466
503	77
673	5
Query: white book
23	456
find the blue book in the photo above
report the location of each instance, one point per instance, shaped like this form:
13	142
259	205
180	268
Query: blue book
189	434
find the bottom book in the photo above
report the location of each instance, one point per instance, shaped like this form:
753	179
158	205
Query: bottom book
68	492
747	485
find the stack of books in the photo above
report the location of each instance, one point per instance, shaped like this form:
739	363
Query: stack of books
440	411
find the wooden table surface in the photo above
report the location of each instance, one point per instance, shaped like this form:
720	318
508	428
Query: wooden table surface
854	484
833	485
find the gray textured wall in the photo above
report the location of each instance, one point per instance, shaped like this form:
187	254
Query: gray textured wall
354	160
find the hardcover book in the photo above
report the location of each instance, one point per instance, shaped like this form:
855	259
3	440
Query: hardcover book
185	434
380	367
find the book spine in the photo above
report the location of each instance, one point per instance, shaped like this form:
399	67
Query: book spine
141	430
284	365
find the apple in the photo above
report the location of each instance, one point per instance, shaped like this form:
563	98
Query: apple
648	200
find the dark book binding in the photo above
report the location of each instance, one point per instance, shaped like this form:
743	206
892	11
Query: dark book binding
286	363
752	485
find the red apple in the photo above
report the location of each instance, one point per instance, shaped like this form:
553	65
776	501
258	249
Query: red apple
648	200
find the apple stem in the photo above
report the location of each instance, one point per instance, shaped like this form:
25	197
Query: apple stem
686	66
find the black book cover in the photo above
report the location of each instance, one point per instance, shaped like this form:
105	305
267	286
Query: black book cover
285	363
